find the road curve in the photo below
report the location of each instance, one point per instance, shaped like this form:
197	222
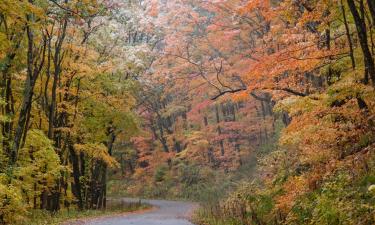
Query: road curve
164	213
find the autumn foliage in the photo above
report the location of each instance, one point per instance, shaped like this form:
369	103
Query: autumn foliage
261	109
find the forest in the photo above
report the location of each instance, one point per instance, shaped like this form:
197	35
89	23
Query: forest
262	111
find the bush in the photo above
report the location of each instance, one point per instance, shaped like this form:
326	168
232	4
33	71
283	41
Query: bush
160	173
12	206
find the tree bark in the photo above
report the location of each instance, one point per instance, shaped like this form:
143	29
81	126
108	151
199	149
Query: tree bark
347	31
362	34
161	136
33	70
222	151
371	6
77	191
6	93
57	64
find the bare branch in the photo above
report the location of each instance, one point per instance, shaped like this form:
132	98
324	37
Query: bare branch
228	92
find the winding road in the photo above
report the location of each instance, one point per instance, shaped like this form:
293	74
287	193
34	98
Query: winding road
164	213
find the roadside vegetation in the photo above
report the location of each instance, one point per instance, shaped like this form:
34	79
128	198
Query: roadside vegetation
74	216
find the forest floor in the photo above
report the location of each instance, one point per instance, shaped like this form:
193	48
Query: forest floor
163	213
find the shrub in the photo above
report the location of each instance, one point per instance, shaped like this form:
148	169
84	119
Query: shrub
12	206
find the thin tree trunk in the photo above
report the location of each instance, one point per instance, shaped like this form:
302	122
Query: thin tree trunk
347	30
33	71
57	64
6	93
222	151
161	136
76	176
371	6
362	34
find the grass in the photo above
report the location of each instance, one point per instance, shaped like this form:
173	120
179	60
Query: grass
42	217
202	217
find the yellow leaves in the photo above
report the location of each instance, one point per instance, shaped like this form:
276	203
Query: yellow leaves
97	152
12	207
324	125
36	10
327	132
295	105
173	110
16	14
198	138
82	61
4	45
348	88
37	169
17	10
38	160
197	147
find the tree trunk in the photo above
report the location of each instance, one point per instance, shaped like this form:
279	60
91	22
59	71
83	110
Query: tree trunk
222	151
25	107
161	136
6	93
362	34
33	70
77	191
57	64
6	111
347	31
371	6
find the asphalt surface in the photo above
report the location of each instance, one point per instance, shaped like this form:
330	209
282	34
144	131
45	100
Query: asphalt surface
164	213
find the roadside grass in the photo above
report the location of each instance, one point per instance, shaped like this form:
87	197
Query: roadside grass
201	217
42	217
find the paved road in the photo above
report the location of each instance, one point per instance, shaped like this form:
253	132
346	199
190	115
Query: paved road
165	213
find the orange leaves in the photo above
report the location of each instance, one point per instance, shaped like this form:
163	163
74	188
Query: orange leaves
241	96
322	139
292	44
257	4
293	188
142	143
154	8
263	7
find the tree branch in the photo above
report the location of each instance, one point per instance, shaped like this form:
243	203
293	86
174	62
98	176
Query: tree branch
221	93
290	91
